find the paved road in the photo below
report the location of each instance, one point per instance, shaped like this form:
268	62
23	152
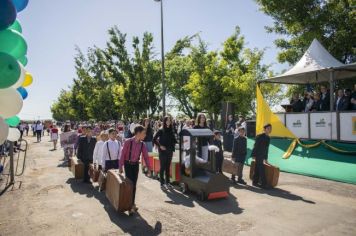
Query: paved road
48	201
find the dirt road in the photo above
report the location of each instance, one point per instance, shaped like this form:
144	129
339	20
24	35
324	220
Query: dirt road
50	202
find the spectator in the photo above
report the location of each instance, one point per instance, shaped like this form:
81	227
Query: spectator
230	125
341	103
297	105
353	98
325	99
149	134
317	102
309	101
347	94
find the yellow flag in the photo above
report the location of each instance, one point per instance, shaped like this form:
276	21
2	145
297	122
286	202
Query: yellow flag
265	116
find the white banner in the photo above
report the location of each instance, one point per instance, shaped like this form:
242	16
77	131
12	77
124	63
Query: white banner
348	126
298	124
323	126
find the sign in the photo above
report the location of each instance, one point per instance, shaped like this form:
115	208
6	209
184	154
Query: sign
68	138
348	126
298	124
323	126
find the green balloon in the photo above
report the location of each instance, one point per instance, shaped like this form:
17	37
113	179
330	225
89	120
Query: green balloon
16	26
23	60
13	121
12	43
9	70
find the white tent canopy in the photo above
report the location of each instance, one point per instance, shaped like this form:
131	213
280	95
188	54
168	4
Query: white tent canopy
315	66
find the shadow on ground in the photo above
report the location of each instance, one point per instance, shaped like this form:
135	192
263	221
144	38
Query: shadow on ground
133	225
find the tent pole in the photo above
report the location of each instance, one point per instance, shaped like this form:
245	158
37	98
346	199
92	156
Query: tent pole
331	81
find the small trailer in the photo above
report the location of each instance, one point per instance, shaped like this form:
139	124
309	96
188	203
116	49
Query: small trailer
198	174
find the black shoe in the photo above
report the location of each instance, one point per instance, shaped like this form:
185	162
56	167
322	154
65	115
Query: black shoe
255	184
241	181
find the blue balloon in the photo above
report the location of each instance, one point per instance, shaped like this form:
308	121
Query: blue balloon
20	4
7	14
23	92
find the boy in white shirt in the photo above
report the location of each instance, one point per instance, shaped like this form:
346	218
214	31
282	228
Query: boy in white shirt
111	152
98	150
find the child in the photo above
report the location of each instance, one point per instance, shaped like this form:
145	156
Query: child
111	152
54	136
219	156
98	150
239	152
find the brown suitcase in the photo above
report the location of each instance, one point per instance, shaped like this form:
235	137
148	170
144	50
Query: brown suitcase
94	172
272	174
119	191
77	168
229	166
102	180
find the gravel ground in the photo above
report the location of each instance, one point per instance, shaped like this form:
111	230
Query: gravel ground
46	200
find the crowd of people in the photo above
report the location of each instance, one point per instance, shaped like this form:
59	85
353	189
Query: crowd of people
344	100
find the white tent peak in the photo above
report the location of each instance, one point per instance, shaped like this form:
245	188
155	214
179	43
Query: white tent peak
315	58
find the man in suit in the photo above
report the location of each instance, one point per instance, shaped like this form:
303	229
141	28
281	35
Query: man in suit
260	154
297	105
341	103
325	99
86	145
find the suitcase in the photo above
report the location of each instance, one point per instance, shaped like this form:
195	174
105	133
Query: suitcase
119	191
229	166
93	173
77	168
272	174
102	180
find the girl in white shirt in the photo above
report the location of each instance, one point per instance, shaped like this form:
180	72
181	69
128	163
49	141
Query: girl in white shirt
98	150
111	152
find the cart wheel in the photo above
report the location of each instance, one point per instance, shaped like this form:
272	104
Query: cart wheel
183	187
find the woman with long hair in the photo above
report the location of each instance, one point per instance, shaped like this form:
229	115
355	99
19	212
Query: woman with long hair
203	143
149	134
165	140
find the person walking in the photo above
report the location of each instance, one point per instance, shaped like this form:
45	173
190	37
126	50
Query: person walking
98	159
239	152
85	151
111	151
165	141
54	136
39	129
130	158
260	155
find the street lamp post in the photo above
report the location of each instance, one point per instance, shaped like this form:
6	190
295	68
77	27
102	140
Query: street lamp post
163	69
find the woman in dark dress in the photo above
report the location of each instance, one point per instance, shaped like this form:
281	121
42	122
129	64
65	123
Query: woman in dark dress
165	140
203	143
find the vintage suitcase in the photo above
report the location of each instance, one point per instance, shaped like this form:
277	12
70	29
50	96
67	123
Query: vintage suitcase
102	180
119	191
94	172
77	168
272	174
229	166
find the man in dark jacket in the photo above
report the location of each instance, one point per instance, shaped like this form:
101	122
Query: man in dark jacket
325	99
239	152
296	104
260	154
86	145
341	102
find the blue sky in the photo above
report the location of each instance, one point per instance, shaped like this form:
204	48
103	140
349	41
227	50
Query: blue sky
53	28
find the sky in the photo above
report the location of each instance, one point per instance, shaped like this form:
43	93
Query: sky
53	28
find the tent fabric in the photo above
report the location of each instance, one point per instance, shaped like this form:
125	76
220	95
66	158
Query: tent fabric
265	115
315	67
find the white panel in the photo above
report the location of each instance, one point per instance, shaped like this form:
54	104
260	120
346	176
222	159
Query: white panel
322	125
348	126
298	124
281	117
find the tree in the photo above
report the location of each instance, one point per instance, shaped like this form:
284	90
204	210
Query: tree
332	22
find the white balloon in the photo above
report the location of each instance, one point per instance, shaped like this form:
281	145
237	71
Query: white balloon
21	79
10	102
4	130
14	134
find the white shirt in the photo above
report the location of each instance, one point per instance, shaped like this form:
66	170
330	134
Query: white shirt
114	150
98	153
39	127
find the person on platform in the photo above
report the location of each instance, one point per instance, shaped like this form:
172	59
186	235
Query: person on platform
324	98
203	143
260	155
347	95
130	159
111	151
165	141
308	102
149	134
54	136
341	102
219	156
317	102
98	159
85	151
353	99
239	152
297	105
